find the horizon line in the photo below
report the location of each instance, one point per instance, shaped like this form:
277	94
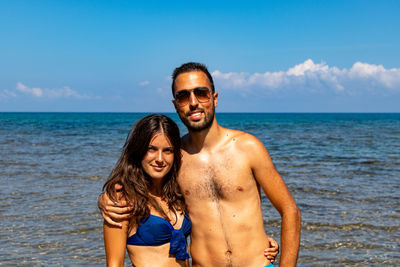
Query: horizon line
223	112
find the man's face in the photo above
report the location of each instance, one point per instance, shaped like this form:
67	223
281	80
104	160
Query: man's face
196	115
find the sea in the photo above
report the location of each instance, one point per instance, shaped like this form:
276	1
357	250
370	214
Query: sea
343	170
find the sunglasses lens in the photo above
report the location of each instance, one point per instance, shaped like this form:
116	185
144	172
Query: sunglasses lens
182	97
202	94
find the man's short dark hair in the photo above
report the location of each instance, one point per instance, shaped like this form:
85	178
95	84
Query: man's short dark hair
189	67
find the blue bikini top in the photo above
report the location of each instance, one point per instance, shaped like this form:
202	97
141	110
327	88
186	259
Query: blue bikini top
156	230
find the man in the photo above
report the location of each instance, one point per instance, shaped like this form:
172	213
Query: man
221	174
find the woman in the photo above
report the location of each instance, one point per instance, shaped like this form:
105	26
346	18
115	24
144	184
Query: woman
147	170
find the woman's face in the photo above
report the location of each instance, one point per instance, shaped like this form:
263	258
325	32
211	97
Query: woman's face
158	160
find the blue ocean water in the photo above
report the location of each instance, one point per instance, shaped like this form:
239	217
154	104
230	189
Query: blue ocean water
342	169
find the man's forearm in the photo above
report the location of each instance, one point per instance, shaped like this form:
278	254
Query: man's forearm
290	237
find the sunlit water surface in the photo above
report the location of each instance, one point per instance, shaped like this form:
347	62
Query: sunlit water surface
342	169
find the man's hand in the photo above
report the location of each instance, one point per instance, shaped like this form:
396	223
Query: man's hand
113	212
272	251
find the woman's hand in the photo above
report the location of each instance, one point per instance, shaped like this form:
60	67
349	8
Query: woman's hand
114	212
272	251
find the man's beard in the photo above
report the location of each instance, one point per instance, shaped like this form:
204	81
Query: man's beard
208	120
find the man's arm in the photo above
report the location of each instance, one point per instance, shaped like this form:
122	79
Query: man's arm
274	187
111	212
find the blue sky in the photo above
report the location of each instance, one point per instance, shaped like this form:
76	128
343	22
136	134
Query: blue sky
265	56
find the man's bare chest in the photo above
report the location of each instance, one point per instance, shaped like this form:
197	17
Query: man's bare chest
214	180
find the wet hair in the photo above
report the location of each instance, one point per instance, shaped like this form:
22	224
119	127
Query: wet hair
189	67
129	173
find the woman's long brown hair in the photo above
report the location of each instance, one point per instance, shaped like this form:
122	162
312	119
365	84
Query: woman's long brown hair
128	170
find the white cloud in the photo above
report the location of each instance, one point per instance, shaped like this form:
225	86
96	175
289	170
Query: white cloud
33	91
36	92
309	77
144	83
7	94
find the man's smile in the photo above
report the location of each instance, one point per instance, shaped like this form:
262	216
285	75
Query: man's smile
196	114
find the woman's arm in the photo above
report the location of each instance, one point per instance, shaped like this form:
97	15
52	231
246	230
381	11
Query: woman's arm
115	243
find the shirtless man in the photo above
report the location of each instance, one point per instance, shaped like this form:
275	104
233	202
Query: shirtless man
221	175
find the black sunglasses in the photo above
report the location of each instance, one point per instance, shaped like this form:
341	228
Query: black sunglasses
203	94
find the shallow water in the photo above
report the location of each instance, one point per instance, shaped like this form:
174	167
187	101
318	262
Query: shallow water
342	169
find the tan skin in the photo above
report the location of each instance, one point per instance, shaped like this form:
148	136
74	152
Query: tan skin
156	163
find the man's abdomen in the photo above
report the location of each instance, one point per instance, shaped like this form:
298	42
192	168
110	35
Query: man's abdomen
228	236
